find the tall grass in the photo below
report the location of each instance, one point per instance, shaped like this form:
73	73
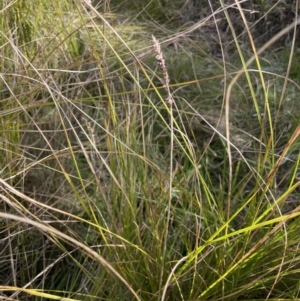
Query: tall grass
146	168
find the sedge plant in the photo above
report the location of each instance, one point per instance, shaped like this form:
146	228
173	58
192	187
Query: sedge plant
140	164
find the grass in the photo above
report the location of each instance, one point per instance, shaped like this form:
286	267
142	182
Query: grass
147	168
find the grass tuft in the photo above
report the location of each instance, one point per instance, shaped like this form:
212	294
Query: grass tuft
148	154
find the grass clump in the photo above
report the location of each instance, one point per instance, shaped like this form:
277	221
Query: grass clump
140	163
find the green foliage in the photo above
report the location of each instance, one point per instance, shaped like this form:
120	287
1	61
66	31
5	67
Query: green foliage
110	192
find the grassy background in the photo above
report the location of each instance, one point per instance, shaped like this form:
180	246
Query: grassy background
117	184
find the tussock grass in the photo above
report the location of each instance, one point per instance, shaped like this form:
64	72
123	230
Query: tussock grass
145	160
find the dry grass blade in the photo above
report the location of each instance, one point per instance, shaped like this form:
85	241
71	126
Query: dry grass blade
90	252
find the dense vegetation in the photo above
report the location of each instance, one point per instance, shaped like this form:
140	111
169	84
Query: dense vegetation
149	150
